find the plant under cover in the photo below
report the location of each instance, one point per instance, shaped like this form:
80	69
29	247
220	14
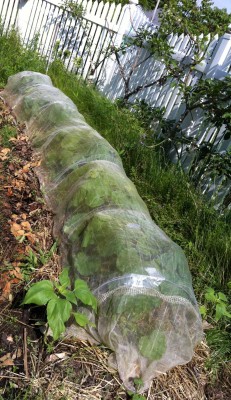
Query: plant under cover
108	239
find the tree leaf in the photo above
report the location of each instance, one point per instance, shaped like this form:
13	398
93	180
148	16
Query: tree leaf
64	278
81	319
227	115
58	312
40	293
84	294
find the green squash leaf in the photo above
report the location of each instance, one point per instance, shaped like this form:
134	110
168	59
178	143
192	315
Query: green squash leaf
85	265
81	319
40	293
64	278
84	294
70	296
153	346
58	312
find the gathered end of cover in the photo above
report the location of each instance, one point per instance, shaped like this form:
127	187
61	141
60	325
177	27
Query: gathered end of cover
147	313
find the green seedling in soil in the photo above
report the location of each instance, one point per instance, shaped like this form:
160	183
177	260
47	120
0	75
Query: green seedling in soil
35	260
138	397
61	303
138	383
45	256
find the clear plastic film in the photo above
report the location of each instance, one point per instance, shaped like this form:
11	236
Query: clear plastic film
148	314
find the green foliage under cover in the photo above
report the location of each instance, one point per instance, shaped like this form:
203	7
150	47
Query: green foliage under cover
154	346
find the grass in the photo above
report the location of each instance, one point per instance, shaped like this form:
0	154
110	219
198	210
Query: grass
14	57
6	133
173	202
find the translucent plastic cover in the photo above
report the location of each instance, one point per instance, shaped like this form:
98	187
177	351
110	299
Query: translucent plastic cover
147	309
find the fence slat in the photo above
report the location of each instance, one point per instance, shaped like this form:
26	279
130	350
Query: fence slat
8	13
219	56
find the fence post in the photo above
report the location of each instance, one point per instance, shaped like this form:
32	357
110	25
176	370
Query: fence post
24	16
214	68
126	21
126	27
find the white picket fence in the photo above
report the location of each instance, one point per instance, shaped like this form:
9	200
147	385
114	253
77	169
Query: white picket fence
216	64
83	43
9	12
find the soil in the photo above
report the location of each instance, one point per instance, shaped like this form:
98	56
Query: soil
31	365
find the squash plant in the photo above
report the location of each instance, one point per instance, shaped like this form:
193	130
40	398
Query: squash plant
61	303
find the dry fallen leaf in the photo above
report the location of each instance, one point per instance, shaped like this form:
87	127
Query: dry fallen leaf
14	216
7	363
16	272
56	357
3	154
16	230
23	137
36	163
18	183
11	167
6	205
26	167
10	339
9	192
6	291
26	225
27	249
31	237
17	354
5	151
3	358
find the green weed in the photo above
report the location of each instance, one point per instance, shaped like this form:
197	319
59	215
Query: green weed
34	260
61	303
15	58
6	133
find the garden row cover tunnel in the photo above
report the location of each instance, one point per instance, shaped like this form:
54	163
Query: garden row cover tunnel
148	313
